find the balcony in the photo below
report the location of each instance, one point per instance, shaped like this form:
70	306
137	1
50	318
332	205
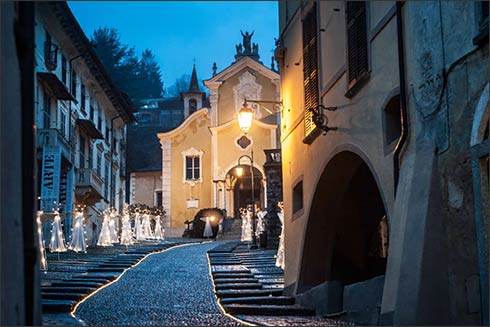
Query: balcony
88	186
52	137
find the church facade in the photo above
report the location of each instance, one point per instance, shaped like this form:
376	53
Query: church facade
199	157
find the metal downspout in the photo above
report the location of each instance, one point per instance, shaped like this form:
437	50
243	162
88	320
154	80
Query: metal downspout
403	95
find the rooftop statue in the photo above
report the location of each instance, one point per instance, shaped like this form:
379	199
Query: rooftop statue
246	41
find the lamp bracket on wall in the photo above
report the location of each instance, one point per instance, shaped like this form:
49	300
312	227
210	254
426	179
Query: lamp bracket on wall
320	119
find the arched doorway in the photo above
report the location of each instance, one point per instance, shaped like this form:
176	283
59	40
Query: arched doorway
241	188
347	232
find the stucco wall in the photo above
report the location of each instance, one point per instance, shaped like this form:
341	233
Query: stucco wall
145	185
196	135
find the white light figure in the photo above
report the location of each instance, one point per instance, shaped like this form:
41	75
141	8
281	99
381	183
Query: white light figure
112	226
138	228
105	233
146	225
57	243
159	231
246	226
78	242
280	249
208	231
126	232
260	222
42	250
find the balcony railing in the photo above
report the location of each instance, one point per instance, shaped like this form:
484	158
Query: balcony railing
88	181
52	137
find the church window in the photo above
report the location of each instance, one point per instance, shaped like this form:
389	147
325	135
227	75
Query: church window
192	106
192	165
192	168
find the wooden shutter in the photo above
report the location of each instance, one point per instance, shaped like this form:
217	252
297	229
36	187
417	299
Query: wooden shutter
357	43
310	73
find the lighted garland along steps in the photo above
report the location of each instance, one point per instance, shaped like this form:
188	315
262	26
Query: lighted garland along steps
89	273
247	282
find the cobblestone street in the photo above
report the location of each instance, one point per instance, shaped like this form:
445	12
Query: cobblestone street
172	288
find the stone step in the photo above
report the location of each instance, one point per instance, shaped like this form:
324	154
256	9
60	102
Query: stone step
105	270
247	293
267	310
235	280
239	286
114	265
63	296
57	305
91	279
74	283
232	275
67	289
270	300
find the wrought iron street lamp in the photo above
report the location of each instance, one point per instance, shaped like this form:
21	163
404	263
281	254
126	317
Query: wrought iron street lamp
245	119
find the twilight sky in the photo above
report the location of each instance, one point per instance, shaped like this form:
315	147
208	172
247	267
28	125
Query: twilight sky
179	32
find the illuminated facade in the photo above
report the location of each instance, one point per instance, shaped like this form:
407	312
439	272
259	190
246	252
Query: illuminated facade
381	105
199	156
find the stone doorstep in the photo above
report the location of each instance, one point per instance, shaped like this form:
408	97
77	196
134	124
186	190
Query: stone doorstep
57	305
268	310
272	300
247	293
239	286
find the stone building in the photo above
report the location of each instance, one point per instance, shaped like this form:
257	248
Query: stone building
80	122
199	156
385	159
144	149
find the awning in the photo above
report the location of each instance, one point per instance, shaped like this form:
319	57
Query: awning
89	128
57	88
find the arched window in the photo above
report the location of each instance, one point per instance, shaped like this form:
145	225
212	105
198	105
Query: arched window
192	106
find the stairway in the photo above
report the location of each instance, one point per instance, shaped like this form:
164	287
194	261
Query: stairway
232	229
247	282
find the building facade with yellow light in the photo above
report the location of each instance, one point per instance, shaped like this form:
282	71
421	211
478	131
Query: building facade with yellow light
199	157
385	159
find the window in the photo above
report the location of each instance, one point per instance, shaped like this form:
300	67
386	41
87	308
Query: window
158	199
90	156
73	83
310	73
392	120
298	197
99	123
81	157
192	106
46	111
63	69
50	53
62	122
106	180
98	168
92	110
357	45
192	168
83	97
107	134
113	189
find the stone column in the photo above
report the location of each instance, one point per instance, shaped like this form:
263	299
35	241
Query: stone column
273	175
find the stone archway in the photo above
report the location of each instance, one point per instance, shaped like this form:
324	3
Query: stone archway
241	189
346	239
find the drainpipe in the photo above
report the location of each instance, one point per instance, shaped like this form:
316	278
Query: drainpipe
112	201
403	94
